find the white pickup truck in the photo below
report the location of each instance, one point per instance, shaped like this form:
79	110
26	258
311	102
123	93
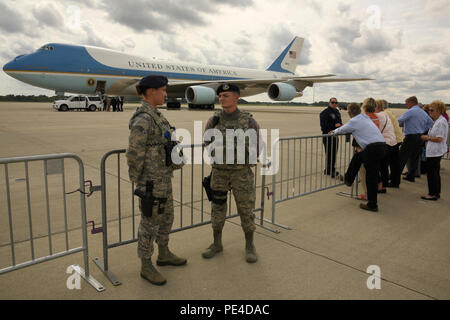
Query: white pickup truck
88	103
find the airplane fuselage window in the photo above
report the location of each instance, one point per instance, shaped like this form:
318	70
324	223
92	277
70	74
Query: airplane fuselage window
48	48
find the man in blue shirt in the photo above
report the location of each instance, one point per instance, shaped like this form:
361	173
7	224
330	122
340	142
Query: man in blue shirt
373	146
415	122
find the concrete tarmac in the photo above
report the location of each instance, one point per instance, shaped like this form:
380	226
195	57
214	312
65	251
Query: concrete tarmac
325	255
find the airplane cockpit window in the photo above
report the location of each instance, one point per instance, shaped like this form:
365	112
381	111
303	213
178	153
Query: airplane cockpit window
48	48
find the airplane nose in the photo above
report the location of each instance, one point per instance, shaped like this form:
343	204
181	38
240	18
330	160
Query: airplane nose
13	64
8	66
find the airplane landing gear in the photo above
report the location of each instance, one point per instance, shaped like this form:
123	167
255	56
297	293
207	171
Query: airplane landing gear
173	105
201	106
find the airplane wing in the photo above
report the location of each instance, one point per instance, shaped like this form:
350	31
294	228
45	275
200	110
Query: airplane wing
315	79
248	87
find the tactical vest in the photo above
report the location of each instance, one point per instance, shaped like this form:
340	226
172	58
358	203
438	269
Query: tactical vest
222	124
155	138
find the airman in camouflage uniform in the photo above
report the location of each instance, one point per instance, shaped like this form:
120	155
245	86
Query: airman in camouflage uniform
147	165
232	176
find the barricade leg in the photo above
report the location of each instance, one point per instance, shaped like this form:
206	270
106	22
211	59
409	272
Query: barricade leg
103	263
261	209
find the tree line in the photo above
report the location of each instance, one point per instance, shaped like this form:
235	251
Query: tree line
44	98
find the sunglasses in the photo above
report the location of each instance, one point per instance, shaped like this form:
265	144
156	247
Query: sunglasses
334	102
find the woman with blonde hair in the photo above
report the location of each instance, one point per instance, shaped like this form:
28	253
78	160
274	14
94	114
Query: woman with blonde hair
436	147
369	106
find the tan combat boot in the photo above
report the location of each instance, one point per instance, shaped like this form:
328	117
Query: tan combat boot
250	251
216	247
149	273
167	258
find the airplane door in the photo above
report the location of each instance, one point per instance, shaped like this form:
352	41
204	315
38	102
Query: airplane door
101	87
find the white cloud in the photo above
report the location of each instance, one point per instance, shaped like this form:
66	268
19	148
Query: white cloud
48	15
11	21
404	53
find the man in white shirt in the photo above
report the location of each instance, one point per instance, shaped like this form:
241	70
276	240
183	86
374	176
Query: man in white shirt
373	146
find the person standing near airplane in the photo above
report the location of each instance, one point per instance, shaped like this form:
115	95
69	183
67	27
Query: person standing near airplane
373	146
152	175
436	147
232	176
121	99
415	123
114	104
104	100
394	160
330	119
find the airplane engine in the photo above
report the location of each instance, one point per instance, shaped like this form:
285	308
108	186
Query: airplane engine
280	91
200	95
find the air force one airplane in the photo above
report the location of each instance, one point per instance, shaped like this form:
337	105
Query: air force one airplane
93	70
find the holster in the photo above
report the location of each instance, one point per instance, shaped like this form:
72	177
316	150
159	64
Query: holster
207	186
148	200
213	193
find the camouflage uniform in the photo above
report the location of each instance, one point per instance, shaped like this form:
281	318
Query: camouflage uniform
146	162
241	182
236	177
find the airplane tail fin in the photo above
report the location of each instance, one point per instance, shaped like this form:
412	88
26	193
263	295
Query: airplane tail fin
288	59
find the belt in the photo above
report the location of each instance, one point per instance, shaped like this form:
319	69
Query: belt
413	134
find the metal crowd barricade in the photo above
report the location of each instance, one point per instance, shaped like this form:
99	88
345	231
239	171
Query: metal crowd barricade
447	155
188	194
302	167
53	164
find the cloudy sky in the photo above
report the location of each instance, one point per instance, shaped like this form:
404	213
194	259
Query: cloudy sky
402	44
